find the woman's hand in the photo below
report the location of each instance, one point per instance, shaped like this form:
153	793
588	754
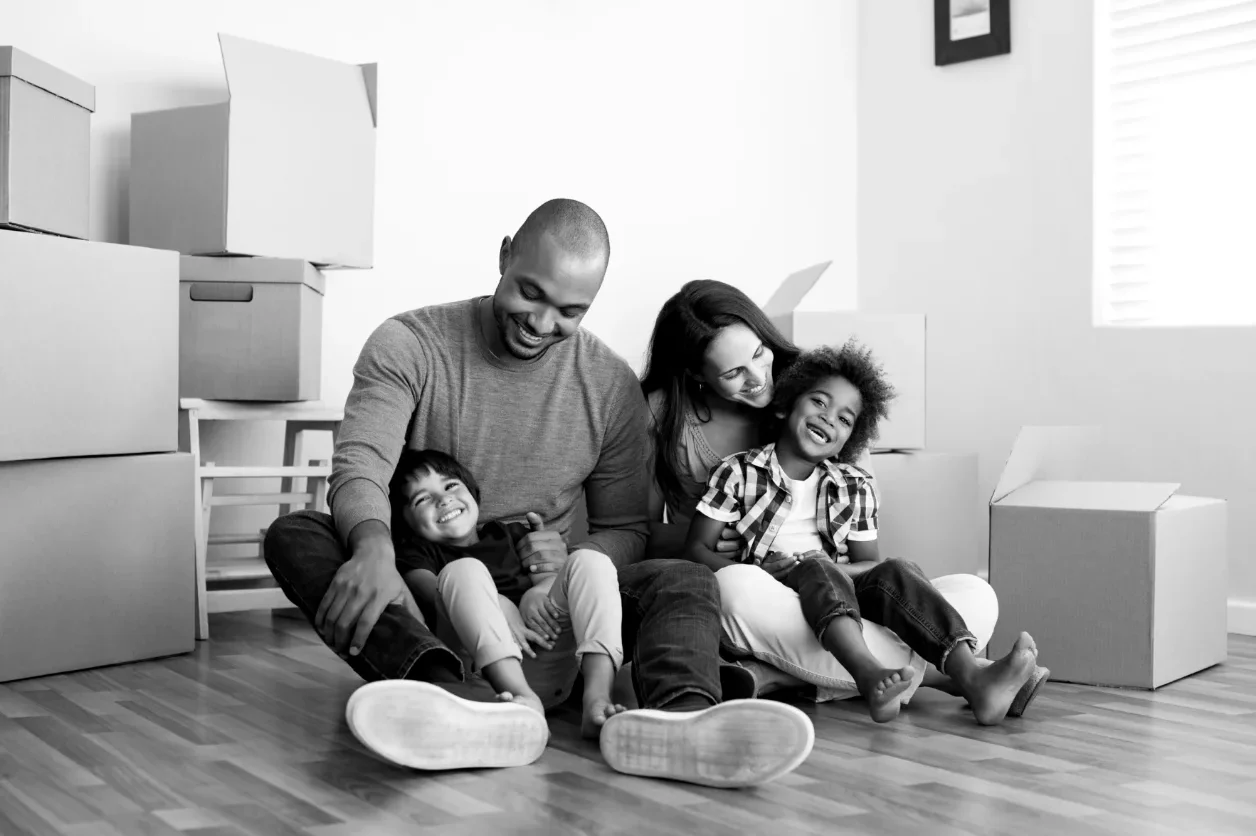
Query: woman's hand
730	540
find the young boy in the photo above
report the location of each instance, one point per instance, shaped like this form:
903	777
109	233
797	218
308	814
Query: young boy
795	499
497	609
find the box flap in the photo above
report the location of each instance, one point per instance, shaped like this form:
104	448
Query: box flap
1091	496
794	289
1049	453
243	269
14	62
301	128
370	75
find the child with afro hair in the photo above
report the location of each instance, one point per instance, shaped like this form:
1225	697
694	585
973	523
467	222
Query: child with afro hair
794	499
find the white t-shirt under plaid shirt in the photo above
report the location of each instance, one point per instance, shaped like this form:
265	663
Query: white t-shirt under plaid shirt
751	490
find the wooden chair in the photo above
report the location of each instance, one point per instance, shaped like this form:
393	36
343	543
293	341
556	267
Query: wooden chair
303	484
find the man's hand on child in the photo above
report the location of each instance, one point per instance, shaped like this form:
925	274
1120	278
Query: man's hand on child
542	549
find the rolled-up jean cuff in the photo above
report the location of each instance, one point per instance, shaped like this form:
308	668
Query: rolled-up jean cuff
838	611
662	704
951	644
445	657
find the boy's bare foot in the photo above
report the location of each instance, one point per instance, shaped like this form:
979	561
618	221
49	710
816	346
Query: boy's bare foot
528	700
597	710
992	688
883	689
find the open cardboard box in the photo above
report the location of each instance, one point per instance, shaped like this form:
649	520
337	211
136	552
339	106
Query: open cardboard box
897	341
284	168
45	146
1119	583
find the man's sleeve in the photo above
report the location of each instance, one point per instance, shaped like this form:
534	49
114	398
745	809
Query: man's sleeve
617	491
378	411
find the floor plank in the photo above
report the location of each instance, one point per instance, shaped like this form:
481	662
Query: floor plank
247	736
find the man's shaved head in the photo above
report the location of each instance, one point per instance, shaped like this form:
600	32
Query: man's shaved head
575	227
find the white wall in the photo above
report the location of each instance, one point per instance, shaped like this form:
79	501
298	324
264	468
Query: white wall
715	137
974	207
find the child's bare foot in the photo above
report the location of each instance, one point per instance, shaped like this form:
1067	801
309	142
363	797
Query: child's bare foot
883	689
992	687
597	710
529	700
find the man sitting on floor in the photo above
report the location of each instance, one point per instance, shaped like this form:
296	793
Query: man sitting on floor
542	412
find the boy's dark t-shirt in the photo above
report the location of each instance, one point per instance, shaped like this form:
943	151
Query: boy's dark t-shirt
496	550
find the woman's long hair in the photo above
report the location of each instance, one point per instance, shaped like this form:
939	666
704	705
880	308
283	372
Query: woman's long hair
687	323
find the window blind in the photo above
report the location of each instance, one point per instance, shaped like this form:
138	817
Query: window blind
1175	162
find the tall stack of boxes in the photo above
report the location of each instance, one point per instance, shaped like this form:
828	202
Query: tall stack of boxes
930	512
96	556
260	194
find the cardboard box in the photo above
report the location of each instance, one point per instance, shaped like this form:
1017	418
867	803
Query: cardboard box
250	329
930	511
98	562
45	146
89	341
1119	583
285	168
896	340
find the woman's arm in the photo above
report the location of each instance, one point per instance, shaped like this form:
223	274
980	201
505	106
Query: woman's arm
700	544
667	540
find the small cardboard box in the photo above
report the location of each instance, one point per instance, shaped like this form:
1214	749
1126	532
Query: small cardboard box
250	329
285	168
89	340
930	512
45	146
1119	583
98	562
897	341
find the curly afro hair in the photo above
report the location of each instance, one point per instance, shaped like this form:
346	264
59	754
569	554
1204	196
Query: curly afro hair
856	364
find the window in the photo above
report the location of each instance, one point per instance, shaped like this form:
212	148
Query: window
1175	162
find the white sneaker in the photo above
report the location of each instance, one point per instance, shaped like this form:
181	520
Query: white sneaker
420	725
739	743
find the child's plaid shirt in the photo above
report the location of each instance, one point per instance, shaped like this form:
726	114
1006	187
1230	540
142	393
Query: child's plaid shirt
751	490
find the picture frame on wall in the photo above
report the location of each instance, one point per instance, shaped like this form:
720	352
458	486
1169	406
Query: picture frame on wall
964	30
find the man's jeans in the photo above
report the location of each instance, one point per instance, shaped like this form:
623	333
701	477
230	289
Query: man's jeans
671	628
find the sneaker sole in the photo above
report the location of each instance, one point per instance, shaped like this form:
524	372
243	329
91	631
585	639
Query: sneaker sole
739	743
421	726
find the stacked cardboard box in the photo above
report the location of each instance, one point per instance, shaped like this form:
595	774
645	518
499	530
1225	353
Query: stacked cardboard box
930	510
259	193
95	505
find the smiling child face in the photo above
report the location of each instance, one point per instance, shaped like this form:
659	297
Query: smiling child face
440	509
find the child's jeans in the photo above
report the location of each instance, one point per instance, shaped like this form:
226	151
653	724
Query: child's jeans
894	594
587	588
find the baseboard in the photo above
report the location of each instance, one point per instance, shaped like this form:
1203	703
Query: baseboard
1241	616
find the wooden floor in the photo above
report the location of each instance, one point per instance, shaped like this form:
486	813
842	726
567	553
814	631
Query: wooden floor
247	736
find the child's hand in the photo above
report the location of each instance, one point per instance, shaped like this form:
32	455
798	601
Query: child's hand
539	614
779	564
525	636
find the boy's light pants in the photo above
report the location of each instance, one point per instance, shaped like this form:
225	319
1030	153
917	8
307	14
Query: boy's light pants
587	588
